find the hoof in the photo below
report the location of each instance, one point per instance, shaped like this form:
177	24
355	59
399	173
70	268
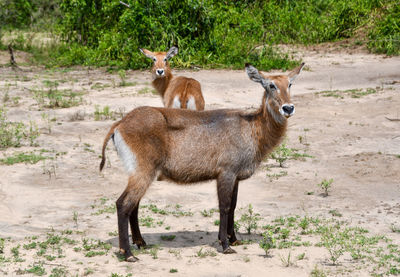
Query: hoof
131	259
236	243
229	251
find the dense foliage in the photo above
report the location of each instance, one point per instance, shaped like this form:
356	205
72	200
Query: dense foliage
209	33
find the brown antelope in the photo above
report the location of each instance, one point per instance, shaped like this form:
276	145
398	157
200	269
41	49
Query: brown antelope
177	92
191	146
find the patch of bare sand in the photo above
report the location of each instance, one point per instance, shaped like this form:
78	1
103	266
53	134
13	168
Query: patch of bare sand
350	140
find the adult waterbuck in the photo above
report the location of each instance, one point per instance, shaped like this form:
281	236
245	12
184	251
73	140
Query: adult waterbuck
191	146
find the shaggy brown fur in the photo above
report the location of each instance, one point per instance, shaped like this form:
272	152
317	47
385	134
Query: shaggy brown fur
177	92
190	146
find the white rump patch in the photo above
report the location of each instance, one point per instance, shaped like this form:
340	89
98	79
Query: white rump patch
126	155
191	103
176	104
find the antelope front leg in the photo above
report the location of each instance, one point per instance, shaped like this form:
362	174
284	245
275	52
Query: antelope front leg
231	222
225	187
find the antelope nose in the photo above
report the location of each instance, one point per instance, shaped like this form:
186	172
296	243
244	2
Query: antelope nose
288	109
160	71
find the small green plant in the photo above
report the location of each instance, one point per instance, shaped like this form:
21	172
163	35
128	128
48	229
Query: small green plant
58	272
122	76
393	228
2	243
317	272
332	240
267	242
208	213
103	114
284	233
11	133
335	212
325	185
304	224
48	121
249	219
173	270
287	261
281	154
301	256
37	269
75	218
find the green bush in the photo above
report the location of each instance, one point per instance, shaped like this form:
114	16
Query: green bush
209	33
385	36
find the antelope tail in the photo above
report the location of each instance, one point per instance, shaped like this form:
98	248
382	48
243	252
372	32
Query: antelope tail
106	139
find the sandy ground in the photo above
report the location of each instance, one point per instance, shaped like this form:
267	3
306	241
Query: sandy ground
350	140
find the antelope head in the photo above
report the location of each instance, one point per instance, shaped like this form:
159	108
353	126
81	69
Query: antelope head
277	91
160	67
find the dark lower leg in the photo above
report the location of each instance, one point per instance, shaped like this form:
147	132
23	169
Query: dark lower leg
231	222
225	187
136	235
123	230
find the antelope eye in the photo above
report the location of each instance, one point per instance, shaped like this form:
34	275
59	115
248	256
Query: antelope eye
272	86
154	59
290	85
165	59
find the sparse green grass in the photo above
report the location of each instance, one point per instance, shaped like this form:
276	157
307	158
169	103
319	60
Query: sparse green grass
12	134
123	82
59	272
317	272
276	176
353	93
147	90
106	113
208	213
168	210
173	270
53	98
20	157
205	253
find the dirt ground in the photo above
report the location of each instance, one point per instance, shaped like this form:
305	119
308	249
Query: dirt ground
354	141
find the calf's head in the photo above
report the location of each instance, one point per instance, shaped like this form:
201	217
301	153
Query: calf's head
160	67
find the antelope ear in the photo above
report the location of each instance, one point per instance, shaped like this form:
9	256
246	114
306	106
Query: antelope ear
172	52
253	73
147	53
255	76
295	72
